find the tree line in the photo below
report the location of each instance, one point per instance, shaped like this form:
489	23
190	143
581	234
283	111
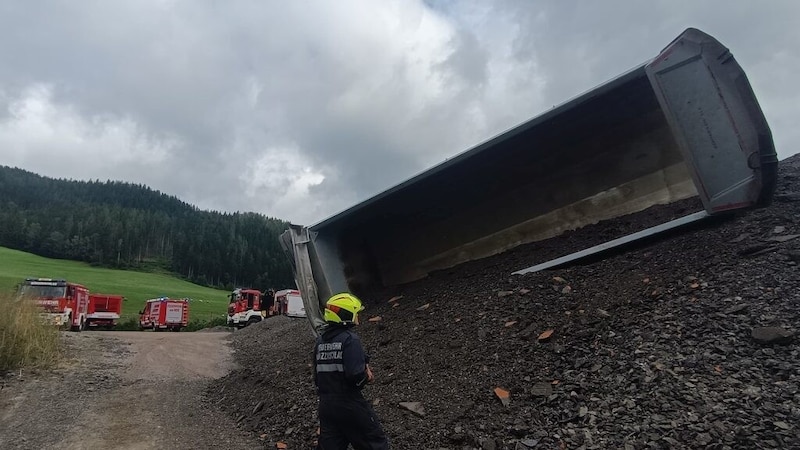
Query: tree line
129	226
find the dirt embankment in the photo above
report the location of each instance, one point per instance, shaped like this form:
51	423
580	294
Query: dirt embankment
122	390
651	348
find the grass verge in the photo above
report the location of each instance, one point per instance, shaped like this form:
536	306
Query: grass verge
211	321
25	341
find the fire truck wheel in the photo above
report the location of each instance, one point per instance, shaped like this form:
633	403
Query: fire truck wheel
253	320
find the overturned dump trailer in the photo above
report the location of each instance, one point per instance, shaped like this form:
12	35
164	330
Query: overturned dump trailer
683	124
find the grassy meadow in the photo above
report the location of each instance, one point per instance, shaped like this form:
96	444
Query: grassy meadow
136	287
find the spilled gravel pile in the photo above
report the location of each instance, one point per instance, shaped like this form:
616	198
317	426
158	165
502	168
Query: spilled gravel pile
686	342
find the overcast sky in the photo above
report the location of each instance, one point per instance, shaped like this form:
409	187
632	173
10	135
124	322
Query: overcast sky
300	109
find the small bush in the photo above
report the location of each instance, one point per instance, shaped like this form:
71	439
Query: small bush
25	341
129	324
132	324
212	321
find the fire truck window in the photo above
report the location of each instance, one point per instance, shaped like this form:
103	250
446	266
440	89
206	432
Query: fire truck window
249	301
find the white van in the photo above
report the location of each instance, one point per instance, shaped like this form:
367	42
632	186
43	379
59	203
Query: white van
289	302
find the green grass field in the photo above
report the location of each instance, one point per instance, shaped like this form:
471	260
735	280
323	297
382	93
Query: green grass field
137	287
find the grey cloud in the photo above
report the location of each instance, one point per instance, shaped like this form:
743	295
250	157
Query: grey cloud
364	94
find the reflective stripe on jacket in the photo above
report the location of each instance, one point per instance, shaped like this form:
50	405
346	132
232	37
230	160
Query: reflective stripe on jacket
339	362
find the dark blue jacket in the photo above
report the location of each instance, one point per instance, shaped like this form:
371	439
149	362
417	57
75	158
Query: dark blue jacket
339	362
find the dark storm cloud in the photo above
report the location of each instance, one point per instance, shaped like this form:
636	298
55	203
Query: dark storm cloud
300	109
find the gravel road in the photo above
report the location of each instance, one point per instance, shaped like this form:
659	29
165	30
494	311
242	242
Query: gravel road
123	390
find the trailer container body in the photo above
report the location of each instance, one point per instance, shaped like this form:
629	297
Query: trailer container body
104	310
684	124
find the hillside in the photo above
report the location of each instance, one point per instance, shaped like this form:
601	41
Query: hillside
657	347
137	287
122	225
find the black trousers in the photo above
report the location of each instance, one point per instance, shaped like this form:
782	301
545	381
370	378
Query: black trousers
346	420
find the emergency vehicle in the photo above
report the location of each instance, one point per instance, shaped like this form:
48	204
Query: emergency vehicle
247	306
289	302
164	313
104	310
64	304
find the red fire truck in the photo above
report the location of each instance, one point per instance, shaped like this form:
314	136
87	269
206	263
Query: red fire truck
248	306
164	313
104	310
289	302
65	304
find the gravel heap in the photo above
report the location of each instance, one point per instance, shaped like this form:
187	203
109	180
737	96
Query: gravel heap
685	342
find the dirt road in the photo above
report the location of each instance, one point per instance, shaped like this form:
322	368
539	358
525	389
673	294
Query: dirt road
123	390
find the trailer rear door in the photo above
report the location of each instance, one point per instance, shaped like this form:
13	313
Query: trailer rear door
294	305
174	312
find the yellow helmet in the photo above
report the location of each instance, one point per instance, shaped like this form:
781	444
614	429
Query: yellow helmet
343	308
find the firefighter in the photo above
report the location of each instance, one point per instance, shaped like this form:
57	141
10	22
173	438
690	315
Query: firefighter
269	301
341	370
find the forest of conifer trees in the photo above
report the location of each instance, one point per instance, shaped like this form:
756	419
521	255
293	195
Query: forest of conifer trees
128	226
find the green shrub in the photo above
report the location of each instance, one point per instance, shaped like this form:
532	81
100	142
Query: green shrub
132	324
25	341
210	322
129	324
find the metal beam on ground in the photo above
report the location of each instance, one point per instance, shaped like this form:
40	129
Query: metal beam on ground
606	246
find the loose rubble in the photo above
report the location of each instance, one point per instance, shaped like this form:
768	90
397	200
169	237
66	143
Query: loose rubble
686	342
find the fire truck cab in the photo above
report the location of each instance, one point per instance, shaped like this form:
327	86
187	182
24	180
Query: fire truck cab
64	304
246	306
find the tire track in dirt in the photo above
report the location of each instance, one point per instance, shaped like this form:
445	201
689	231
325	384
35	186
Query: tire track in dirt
124	390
